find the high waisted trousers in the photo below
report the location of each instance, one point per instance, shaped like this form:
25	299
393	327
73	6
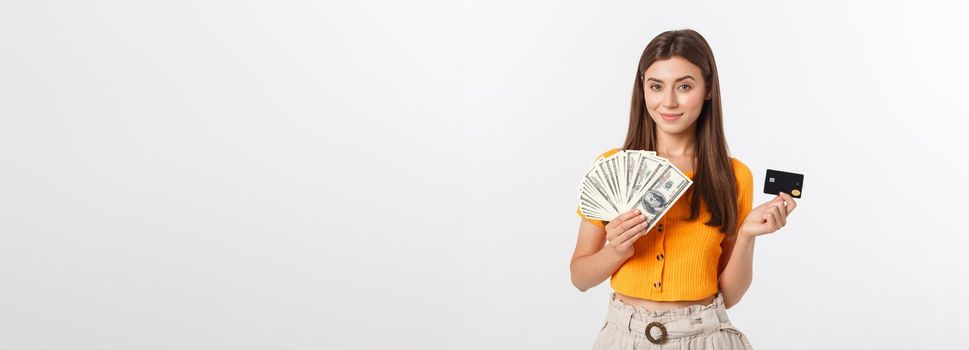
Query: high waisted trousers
692	327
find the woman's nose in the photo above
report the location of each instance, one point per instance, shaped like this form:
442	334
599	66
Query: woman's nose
671	100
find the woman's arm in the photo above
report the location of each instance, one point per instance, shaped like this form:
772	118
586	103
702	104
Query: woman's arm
591	264
739	253
737	265
594	258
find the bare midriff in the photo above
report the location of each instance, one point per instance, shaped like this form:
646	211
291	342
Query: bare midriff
653	305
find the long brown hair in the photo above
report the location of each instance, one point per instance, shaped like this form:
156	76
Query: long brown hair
714	180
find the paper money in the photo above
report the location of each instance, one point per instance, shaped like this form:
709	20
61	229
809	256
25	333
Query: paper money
631	179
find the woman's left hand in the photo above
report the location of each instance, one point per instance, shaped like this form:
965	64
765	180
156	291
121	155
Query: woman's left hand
768	217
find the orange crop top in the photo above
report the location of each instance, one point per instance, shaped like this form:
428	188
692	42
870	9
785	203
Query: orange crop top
678	259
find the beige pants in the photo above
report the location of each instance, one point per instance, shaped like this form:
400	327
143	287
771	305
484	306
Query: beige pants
691	327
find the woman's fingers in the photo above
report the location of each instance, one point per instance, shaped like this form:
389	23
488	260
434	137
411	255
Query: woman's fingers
767	204
771	222
781	215
621	219
778	200
631	232
790	204
775	213
632	222
631	236
629	242
623	223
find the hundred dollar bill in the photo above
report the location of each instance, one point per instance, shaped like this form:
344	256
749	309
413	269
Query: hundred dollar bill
645	172
595	189
661	194
589	204
630	179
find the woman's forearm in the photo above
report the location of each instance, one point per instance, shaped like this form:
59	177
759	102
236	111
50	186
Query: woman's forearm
590	270
739	272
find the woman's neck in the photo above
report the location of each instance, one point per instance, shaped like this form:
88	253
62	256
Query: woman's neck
676	145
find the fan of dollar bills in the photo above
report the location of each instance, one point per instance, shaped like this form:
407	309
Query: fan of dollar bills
631	179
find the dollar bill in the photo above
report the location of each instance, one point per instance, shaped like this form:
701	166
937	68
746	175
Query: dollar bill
631	179
661	194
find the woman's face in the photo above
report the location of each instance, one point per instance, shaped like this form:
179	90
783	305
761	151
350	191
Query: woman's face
674	90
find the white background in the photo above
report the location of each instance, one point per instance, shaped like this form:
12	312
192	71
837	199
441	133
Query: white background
354	175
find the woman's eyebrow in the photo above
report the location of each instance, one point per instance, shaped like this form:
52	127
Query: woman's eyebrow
657	80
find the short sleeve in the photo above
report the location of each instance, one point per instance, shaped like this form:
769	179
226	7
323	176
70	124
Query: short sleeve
599	223
745	189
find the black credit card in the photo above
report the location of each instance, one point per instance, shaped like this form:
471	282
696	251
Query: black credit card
781	181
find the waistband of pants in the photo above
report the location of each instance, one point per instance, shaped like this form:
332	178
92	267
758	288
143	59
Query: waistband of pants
677	323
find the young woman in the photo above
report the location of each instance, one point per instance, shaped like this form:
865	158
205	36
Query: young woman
673	284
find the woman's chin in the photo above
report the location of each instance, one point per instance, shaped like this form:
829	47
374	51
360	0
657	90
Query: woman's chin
671	129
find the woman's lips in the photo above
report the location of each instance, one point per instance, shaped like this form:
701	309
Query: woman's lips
670	117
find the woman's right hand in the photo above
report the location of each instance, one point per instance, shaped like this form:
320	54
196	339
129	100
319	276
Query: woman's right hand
623	231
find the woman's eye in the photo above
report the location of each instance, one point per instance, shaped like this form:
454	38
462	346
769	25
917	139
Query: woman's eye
687	87
653	87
